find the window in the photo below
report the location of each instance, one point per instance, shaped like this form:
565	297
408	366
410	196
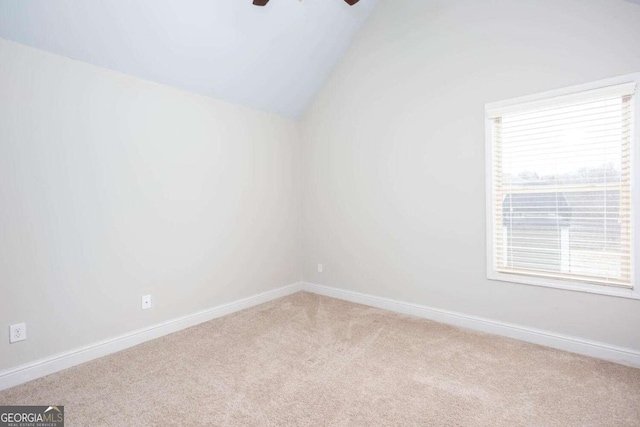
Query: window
561	173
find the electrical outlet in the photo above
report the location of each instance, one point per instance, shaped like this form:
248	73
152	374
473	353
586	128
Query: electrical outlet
146	302
320	268
17	332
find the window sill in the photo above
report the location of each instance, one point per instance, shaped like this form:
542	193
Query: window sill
566	285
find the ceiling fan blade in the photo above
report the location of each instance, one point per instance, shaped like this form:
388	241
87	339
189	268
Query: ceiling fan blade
264	2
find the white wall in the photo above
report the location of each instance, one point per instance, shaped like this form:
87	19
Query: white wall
113	187
394	196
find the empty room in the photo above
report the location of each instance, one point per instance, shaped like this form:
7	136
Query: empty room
320	213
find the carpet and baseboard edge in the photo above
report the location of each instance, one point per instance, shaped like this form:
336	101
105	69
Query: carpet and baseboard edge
49	365
621	355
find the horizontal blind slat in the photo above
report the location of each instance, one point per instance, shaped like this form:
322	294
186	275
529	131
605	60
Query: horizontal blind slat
580	98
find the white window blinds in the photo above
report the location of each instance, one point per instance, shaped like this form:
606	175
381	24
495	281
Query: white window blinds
561	187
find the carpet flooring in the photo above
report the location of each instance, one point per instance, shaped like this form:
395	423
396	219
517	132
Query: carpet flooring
308	360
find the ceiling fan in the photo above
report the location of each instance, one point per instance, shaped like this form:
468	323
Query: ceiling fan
264	2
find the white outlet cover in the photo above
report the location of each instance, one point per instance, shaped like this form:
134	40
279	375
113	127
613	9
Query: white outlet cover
146	302
17	332
320	268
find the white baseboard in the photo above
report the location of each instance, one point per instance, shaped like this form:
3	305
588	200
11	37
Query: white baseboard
621	355
40	368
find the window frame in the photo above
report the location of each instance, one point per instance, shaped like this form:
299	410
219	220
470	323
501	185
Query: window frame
567	284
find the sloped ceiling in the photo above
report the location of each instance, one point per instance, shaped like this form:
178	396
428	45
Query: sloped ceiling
272	58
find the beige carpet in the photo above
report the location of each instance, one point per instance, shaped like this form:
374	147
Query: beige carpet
307	360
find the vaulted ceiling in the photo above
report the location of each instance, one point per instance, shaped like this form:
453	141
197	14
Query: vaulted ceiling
272	58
